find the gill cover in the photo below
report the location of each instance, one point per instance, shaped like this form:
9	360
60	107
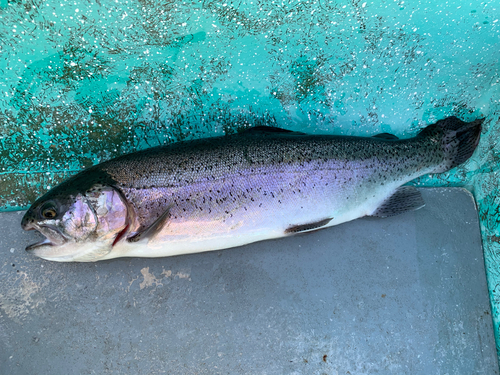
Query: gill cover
79	221
110	211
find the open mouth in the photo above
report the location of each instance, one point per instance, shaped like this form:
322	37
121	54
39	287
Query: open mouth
53	236
45	242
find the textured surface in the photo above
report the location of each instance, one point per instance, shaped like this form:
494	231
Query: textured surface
84	81
405	294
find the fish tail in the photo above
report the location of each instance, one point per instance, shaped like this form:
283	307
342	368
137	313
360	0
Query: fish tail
457	140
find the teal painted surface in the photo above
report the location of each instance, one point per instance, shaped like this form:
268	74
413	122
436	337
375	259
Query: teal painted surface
82	82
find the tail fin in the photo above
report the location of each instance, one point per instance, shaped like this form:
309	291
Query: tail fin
458	140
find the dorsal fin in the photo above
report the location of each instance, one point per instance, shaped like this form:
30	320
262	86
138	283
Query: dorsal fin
387	136
269	129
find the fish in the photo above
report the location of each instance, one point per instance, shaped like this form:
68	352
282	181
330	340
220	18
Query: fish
227	191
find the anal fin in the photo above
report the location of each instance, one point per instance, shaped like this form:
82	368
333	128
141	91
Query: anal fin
405	198
309	226
152	230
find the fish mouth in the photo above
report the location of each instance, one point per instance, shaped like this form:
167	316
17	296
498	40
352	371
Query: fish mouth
33	246
59	247
54	237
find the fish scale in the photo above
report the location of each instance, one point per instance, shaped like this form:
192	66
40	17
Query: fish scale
288	170
165	167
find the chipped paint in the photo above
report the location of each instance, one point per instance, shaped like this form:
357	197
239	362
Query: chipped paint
183	275
149	279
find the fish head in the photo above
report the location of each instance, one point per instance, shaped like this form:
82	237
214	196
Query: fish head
78	225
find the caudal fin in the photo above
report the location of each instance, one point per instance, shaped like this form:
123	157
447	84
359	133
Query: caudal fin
458	140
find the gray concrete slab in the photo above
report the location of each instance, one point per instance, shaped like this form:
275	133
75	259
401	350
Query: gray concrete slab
403	295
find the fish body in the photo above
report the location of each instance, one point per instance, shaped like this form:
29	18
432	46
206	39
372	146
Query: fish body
223	192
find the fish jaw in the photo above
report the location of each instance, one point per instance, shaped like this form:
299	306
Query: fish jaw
54	237
58	247
33	247
71	251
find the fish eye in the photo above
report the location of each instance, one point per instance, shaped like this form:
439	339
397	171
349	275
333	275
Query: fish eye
49	212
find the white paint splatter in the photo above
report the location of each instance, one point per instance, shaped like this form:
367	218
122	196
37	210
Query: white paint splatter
178	275
167	273
20	299
149	279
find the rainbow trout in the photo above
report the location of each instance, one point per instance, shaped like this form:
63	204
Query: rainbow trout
228	191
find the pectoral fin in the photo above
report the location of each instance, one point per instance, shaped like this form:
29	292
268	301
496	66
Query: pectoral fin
405	198
151	231
306	227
